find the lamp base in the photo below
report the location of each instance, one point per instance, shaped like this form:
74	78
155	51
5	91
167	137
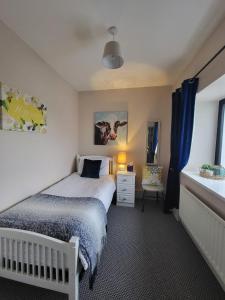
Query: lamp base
122	167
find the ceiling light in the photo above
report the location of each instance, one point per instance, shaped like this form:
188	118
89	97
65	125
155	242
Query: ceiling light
112	58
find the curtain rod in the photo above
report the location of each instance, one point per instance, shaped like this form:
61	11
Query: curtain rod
209	62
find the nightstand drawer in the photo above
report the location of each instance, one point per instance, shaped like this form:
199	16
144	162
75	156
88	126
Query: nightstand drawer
125	189
123	179
128	198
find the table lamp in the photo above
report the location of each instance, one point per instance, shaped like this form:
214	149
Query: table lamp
121	160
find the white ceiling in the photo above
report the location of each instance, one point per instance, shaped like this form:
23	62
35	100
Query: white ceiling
158	37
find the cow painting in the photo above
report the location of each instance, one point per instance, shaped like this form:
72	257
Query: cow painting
110	128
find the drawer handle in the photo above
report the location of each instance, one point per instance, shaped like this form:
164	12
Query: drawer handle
124	190
124	199
124	180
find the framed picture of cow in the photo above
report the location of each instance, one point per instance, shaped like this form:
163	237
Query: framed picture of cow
110	128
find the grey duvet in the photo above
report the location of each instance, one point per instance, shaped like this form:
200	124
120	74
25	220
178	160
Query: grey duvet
62	218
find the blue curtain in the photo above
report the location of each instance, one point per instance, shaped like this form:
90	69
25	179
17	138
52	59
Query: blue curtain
183	105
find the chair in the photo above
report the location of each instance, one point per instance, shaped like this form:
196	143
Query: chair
151	182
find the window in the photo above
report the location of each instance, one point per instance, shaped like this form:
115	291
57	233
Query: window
220	140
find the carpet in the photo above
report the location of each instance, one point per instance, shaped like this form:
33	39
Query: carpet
147	256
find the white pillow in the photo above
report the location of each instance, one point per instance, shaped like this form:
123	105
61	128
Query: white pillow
104	169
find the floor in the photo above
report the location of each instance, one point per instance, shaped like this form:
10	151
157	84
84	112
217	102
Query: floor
148	256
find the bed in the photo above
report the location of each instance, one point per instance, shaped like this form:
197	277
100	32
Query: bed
53	260
75	186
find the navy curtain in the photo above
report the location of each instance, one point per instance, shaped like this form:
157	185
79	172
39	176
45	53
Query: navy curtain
183	105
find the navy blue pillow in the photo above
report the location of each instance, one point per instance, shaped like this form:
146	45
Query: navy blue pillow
91	168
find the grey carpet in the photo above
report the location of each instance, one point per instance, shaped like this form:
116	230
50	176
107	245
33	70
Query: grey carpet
148	256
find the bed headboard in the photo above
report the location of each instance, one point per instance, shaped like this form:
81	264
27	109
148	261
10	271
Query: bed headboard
112	162
112	166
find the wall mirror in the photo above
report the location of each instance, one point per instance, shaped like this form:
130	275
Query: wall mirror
152	147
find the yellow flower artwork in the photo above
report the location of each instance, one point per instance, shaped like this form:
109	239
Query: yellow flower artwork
21	112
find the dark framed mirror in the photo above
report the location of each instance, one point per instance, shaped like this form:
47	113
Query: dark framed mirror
152	143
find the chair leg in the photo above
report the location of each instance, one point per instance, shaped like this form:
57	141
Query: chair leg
163	197
143	201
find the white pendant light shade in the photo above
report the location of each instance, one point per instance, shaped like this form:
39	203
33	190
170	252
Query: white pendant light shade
112	58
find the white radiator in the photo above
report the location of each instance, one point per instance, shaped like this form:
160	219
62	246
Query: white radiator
207	230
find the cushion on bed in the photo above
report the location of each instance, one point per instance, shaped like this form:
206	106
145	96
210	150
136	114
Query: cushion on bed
91	168
104	168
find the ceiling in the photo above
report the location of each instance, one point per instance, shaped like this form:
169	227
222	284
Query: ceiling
158	37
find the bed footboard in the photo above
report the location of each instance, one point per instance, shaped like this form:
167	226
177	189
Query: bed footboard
40	260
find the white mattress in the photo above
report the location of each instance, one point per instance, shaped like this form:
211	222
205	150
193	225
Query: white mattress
76	186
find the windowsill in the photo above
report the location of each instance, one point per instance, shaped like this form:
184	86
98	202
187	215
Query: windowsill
215	186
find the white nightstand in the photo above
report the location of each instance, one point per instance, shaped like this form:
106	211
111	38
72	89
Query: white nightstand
126	188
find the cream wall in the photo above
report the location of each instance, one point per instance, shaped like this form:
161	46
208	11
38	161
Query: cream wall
204	136
213	71
31	161
142	104
205	126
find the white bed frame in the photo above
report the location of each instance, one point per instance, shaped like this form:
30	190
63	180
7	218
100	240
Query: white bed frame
40	260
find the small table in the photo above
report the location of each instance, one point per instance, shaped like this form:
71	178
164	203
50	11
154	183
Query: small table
151	188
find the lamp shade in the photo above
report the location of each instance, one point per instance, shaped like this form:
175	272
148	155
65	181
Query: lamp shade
112	58
122	158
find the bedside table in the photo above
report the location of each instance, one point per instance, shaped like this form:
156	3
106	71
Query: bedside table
126	188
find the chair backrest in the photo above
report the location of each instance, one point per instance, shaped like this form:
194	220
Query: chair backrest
152	175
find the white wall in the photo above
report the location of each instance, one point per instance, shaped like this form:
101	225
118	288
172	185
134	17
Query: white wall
31	161
204	134
143	105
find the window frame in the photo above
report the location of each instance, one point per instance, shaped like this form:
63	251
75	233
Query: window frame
220	133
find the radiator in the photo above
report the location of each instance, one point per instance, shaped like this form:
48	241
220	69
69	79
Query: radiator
207	230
